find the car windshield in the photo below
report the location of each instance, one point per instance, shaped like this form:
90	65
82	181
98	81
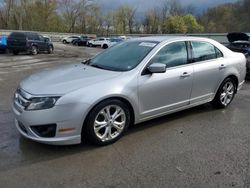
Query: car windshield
123	57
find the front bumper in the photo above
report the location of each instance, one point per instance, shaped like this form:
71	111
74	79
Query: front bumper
52	141
66	117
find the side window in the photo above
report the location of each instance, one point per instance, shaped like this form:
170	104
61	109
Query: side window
30	37
172	55
41	38
36	37
218	53
203	51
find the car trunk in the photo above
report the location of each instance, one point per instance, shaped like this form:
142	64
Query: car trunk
239	42
232	37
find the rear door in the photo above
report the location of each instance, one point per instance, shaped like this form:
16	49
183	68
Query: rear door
43	43
208	66
35	40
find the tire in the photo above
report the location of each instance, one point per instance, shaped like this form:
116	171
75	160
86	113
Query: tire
109	129
15	52
227	89
50	50
34	50
90	45
105	46
64	42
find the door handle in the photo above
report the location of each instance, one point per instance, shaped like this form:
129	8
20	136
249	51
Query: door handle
185	74
222	66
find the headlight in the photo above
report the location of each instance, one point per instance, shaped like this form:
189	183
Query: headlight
41	103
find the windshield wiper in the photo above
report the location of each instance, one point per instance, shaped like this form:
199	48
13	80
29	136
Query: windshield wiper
86	62
97	66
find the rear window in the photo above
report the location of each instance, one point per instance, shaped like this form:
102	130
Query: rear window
203	51
17	35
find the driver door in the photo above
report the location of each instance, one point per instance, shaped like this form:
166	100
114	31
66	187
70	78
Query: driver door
163	92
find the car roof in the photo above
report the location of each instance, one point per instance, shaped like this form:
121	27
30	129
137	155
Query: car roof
168	38
24	33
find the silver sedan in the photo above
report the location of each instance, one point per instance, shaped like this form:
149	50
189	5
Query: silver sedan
132	82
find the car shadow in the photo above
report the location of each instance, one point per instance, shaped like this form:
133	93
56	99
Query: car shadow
167	119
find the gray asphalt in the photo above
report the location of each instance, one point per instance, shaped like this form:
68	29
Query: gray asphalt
199	147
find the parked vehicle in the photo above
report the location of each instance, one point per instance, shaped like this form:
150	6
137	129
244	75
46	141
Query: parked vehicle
3	43
240	42
102	42
82	41
248	66
68	40
132	82
28	42
114	41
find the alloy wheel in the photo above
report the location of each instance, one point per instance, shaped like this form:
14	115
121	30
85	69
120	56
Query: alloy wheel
227	93
109	122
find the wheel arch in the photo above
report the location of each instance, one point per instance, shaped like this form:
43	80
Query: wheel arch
123	99
51	45
34	44
232	76
236	80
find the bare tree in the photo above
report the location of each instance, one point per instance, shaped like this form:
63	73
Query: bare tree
71	10
152	21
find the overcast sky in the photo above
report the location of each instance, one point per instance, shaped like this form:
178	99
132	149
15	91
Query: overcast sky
143	5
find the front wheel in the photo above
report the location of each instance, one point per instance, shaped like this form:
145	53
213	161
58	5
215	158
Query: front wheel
225	93
107	122
50	50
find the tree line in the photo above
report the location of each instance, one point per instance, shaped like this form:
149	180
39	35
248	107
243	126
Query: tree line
85	16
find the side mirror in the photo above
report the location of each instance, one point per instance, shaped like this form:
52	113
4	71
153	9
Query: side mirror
46	40
157	68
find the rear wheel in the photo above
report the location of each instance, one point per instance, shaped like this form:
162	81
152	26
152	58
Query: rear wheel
15	52
64	41
107	122
105	46
225	93
34	50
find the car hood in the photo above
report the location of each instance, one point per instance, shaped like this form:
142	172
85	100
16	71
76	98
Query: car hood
65	79
232	37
